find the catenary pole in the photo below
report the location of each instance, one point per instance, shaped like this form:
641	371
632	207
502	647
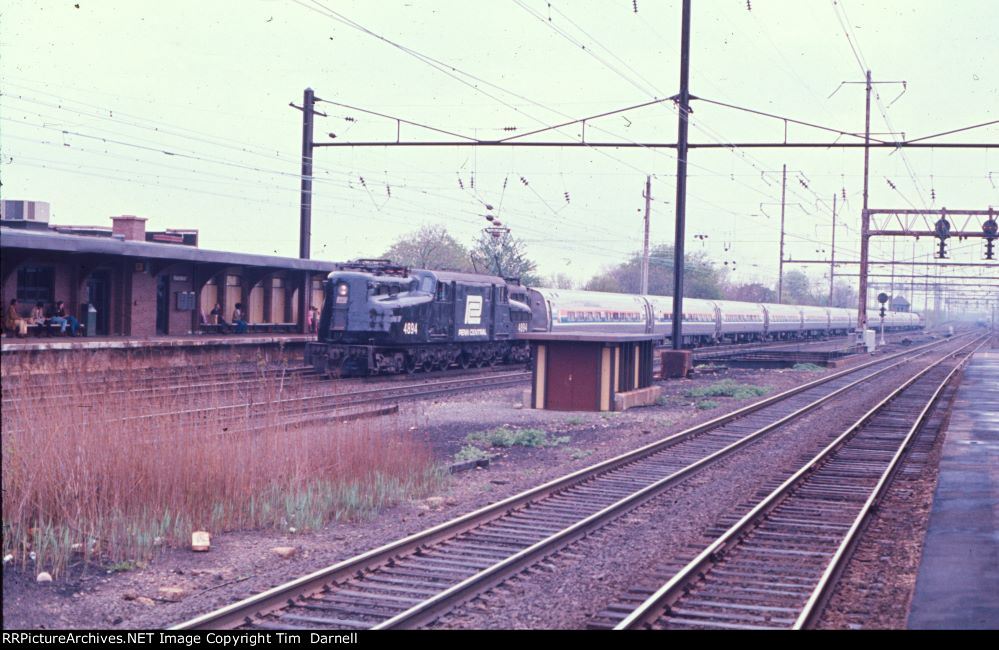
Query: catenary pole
780	267
305	221
645	247
832	254
681	176
865	217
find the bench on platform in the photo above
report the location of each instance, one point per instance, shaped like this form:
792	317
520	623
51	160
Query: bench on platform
251	328
50	329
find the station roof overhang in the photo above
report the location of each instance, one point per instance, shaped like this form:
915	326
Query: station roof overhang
42	241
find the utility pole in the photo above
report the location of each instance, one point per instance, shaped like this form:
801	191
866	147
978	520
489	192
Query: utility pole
865	218
645	248
780	272
305	219
832	254
681	176
891	290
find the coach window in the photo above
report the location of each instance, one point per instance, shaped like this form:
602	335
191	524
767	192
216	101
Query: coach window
34	284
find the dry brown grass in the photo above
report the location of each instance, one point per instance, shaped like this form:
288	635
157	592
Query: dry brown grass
89	475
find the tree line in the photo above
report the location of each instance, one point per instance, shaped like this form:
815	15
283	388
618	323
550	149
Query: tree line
433	247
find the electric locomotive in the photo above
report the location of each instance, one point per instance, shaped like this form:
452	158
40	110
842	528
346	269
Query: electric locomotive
382	318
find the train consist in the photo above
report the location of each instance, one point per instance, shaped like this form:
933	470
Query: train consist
381	318
705	322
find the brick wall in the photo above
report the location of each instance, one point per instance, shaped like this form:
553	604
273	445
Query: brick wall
143	304
180	321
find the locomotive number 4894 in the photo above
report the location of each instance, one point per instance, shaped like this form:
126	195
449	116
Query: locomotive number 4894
410	328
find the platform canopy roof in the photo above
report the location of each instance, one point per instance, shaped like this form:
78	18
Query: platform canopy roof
15	238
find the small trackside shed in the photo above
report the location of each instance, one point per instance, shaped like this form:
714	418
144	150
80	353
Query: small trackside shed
591	372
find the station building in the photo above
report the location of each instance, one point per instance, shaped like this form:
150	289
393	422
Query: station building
143	283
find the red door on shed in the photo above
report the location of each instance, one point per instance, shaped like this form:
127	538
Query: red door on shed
572	380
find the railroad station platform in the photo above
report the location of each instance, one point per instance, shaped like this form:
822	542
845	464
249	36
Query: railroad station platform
958	582
12	344
97	352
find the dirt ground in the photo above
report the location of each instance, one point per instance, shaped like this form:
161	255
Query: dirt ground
178	584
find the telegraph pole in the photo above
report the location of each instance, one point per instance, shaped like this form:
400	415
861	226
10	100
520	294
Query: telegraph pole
865	218
832	255
681	176
780	271
305	219
645	248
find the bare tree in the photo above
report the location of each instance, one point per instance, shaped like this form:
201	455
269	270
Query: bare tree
430	247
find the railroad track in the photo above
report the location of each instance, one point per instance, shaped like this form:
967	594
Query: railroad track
412	581
245	416
828	344
713	351
178	382
776	564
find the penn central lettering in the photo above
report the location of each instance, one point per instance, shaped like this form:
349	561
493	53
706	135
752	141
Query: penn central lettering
472	331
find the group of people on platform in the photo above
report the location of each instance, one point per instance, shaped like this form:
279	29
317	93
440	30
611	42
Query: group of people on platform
239	322
40	319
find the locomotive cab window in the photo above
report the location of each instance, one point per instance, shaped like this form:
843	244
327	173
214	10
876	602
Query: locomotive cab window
443	292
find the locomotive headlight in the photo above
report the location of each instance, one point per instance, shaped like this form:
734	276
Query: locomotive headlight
341	290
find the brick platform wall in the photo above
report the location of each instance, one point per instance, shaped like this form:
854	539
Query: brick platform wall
143	307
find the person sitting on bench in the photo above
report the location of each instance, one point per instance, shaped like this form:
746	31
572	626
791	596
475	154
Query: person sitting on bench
217	319
62	319
37	320
13	320
238	320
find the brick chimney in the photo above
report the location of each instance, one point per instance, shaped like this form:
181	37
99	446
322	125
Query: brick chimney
132	228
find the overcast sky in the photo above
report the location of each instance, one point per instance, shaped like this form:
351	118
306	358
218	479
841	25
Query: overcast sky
178	111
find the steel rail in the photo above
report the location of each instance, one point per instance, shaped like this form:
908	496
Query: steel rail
278	597
337	405
428	609
677	586
224	379
218	380
357	397
823	589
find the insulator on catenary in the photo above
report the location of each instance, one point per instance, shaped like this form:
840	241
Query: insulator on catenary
460	183
890	184
566	197
634	5
361	178
749	5
524	181
388	190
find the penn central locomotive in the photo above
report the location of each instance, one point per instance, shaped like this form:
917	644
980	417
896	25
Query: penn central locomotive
382	318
